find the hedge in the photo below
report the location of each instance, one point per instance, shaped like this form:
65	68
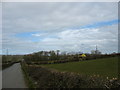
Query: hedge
43	77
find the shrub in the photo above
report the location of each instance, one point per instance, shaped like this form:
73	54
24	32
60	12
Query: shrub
47	78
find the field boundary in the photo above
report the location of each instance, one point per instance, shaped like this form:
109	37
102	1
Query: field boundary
55	79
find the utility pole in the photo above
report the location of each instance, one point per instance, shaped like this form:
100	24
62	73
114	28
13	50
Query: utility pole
82	48
7	52
96	47
97	50
7	55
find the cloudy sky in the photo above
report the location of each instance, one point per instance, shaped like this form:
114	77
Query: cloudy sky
31	27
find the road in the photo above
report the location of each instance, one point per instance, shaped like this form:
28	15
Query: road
12	77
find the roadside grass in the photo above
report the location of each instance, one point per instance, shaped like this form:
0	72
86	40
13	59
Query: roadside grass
106	67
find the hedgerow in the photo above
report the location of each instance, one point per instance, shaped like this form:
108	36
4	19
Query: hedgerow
43	77
40	59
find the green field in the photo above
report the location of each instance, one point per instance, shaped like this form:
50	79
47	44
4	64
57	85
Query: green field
107	67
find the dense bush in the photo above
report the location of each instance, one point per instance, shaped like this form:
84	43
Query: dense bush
46	78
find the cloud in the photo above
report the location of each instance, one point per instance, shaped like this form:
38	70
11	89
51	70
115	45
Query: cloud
76	40
37	35
29	27
51	16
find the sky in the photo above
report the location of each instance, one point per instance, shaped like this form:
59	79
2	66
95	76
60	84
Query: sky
69	26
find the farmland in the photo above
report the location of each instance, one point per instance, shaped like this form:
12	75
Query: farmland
71	71
106	67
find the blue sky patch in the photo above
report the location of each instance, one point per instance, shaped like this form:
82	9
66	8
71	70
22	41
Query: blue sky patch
102	24
97	25
29	35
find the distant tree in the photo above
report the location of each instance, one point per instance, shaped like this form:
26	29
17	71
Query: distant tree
52	55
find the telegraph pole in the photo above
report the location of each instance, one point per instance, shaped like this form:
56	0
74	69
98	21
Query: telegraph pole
96	47
7	52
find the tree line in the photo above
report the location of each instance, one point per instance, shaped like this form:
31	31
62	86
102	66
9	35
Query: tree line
50	57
